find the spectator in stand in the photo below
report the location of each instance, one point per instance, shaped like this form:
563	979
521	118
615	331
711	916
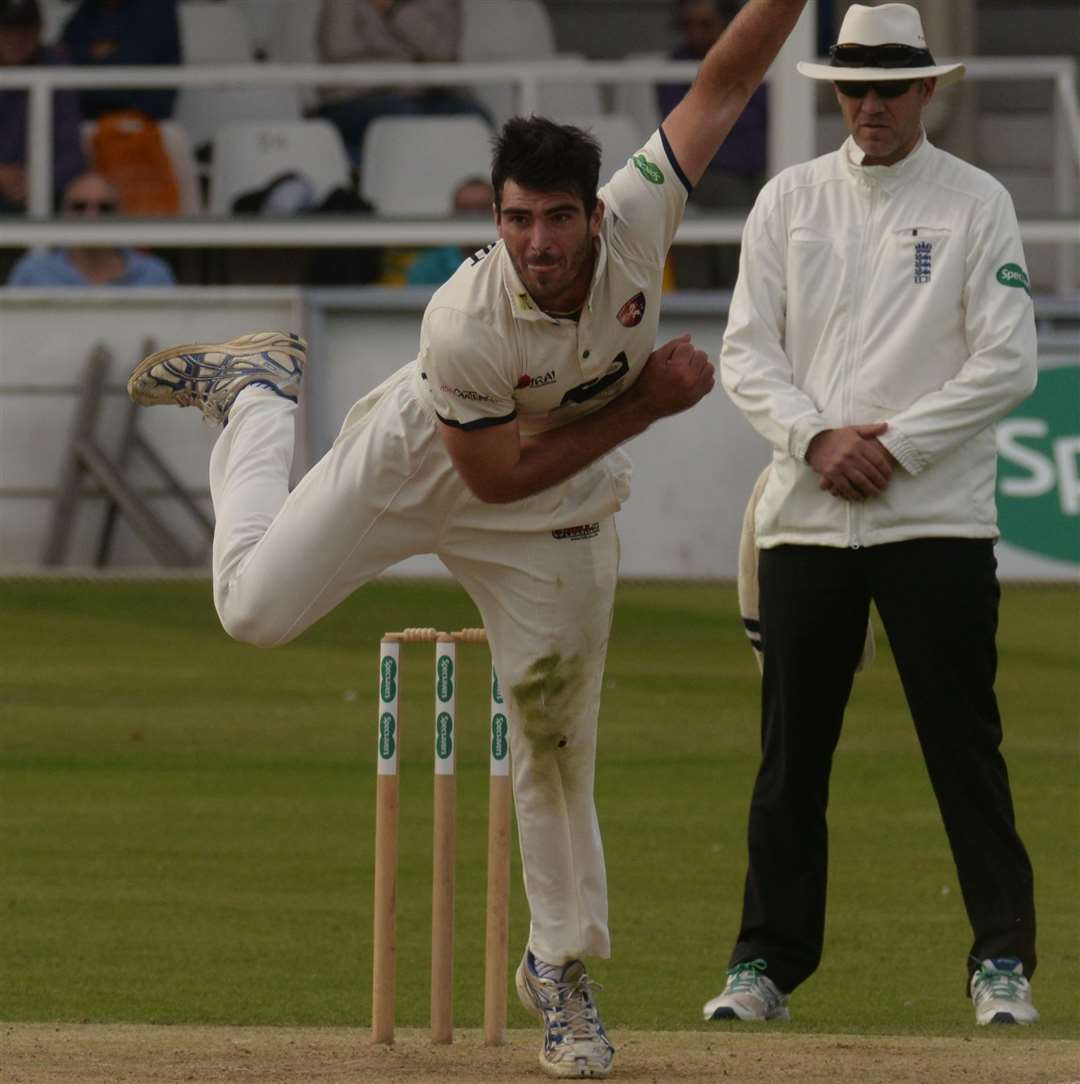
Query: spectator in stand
735	175
389	32
90	196
473	197
20	46
114	32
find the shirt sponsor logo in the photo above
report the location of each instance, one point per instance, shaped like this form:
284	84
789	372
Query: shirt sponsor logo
467	393
584	392
525	302
1012	274
923	256
576	534
631	313
527	381
649	170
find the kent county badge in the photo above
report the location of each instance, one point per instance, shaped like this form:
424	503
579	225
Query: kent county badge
631	313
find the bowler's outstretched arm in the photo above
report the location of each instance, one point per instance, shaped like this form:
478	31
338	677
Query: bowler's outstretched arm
728	76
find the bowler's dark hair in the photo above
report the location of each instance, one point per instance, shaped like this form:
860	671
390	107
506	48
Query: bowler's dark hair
543	156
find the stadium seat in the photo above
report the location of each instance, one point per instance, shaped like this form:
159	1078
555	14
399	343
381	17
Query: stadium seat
54	14
402	176
619	138
218	33
493	30
262	19
638	98
247	156
568	96
204	112
213	32
178	146
293	36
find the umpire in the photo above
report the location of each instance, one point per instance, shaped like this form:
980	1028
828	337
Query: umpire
882	322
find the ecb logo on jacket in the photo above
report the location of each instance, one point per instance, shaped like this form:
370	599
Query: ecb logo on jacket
923	254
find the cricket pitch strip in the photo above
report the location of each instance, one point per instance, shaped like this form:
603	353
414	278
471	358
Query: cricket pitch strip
66	1053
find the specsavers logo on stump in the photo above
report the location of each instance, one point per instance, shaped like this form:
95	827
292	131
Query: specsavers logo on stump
1039	468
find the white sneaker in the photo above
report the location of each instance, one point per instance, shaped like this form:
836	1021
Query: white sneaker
749	995
1001	994
211	376
575	1043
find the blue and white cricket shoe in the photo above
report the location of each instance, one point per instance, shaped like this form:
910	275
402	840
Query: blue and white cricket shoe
1001	994
210	376
575	1043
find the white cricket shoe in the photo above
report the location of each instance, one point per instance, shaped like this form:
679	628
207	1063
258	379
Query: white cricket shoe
1001	994
749	995
210	376
575	1043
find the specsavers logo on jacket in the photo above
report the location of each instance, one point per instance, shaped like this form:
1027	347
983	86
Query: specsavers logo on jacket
1039	468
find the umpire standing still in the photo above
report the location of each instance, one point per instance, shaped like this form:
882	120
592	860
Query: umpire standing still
882	322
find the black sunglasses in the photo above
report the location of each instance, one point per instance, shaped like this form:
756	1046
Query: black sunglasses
105	207
879	56
892	89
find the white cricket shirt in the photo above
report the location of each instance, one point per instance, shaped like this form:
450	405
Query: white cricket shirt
489	355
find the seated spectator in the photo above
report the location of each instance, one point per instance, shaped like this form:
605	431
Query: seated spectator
472	197
735	175
389	32
89	196
112	32
20	46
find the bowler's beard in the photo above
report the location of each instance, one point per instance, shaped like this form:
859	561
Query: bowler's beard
566	285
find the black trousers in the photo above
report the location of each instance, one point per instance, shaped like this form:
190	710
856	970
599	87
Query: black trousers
938	600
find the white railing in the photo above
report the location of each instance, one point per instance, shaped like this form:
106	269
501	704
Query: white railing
525	77
1062	227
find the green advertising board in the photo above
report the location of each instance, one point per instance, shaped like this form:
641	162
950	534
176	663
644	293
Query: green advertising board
1039	468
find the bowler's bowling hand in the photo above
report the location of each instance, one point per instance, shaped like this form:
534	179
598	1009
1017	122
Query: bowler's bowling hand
676	376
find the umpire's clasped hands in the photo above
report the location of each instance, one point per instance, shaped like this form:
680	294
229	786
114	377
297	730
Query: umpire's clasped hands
852	462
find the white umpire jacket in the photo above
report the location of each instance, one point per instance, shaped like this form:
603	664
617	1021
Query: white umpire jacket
881	293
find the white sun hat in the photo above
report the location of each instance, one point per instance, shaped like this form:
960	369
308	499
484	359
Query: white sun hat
881	44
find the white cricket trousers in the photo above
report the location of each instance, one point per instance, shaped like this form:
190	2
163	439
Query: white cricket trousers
385	491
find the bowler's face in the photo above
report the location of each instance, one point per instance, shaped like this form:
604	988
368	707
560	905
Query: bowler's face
551	243
886	129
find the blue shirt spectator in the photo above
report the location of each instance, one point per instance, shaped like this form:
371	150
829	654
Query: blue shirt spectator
111	32
20	46
90	196
473	197
56	267
434	267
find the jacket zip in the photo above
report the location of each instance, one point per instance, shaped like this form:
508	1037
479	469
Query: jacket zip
857	312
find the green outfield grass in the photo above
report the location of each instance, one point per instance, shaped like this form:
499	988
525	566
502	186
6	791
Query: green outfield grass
186	823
